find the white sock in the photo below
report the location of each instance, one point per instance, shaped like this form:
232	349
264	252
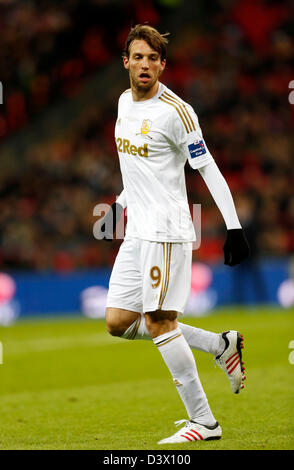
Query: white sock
181	363
197	338
203	340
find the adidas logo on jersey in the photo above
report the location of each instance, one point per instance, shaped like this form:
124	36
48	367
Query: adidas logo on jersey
125	146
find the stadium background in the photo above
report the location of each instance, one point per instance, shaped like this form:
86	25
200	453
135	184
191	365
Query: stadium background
64	382
61	72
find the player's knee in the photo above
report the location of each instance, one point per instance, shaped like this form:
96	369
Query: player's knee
119	320
161	316
114	329
160	322
113	323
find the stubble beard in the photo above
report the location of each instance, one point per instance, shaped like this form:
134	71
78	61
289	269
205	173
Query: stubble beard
141	88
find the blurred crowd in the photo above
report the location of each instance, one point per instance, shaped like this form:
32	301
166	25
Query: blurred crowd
234	71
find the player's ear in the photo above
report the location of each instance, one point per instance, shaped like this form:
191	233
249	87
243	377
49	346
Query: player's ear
126	62
163	64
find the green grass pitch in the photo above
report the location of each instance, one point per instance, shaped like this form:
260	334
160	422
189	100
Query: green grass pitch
66	384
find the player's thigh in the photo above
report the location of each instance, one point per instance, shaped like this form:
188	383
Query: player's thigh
125	284
118	320
166	276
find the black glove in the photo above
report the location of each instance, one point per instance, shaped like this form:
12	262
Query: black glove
236	247
110	220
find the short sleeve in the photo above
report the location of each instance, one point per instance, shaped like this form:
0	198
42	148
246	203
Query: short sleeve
186	134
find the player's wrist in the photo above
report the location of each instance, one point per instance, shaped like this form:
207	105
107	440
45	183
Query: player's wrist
235	232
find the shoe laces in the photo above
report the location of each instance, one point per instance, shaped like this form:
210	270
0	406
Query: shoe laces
182	421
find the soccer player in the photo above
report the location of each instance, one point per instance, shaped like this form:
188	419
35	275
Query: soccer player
156	132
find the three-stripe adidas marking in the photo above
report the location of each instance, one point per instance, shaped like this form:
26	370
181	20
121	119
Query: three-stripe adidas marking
232	362
193	435
167	248
181	109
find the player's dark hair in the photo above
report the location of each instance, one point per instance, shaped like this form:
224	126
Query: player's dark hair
156	41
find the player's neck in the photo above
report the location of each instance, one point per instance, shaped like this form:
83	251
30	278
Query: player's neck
143	95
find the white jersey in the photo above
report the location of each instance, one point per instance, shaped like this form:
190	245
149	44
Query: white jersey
154	140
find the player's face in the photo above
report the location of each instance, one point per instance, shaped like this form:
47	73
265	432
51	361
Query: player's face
144	65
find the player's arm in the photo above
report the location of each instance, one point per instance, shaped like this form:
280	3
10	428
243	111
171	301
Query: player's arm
191	143
236	247
112	217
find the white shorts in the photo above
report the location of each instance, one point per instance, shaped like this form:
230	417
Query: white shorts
149	276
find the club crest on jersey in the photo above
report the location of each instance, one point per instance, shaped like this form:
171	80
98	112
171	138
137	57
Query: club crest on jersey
146	126
197	148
